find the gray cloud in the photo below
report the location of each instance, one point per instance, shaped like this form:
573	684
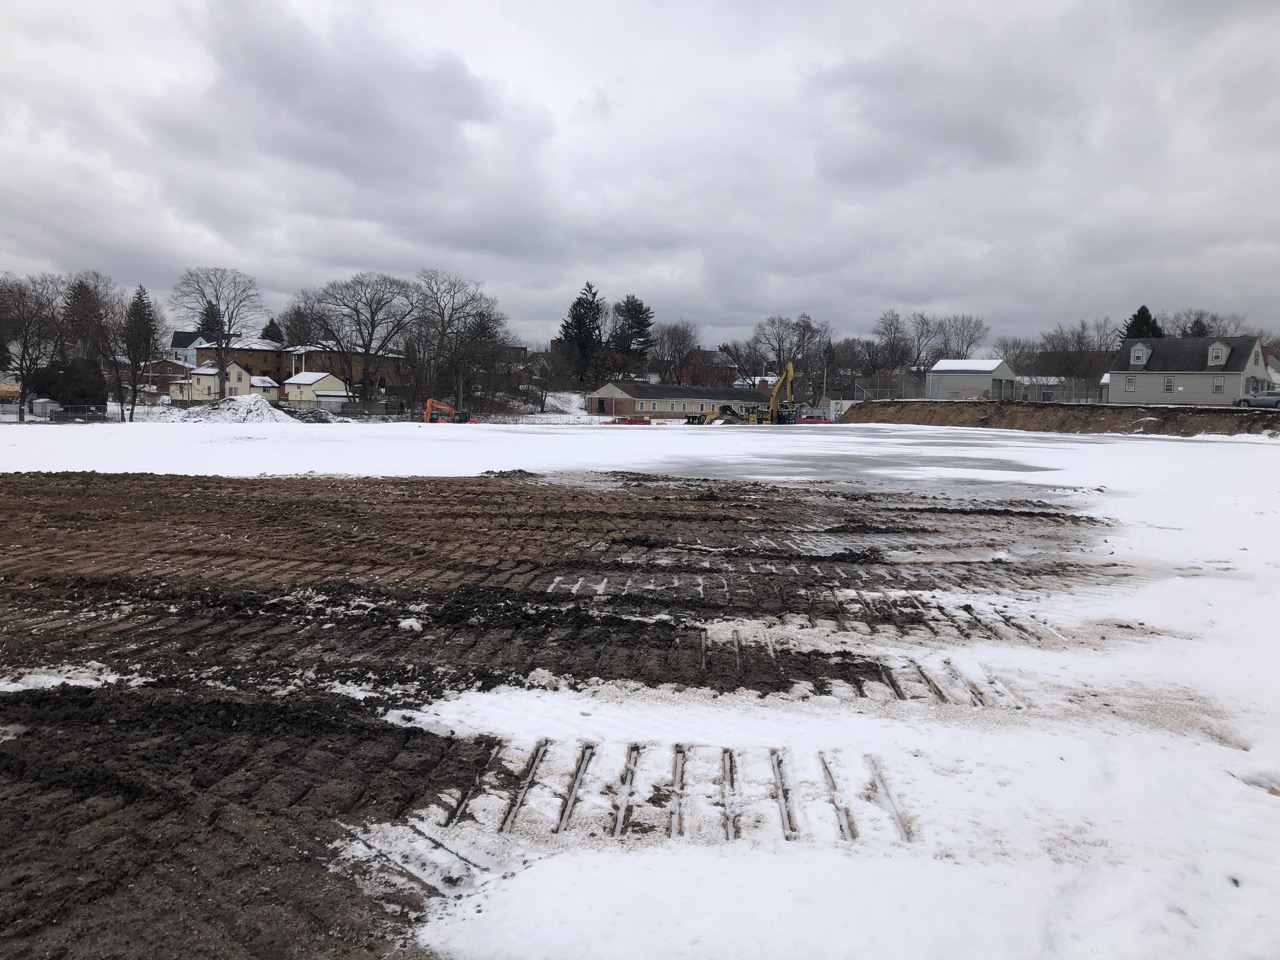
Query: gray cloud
724	162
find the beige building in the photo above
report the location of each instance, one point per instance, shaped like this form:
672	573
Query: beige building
202	385
634	398
312	389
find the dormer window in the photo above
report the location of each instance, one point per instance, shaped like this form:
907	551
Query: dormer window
1215	355
1139	355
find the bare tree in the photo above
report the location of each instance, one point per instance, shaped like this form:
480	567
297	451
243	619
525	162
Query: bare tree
31	314
812	356
924	332
895	348
775	337
300	322
448	313
363	318
959	334
746	356
671	344
1020	353
234	296
1199	322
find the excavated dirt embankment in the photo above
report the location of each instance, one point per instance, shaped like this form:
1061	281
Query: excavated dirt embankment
1067	417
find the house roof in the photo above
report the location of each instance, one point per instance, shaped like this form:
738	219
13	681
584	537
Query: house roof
712	358
656	391
252	343
184	338
966	366
262	382
333	393
1185	355
210	368
303	379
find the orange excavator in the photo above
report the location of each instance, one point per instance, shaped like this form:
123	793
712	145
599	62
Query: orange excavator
436	411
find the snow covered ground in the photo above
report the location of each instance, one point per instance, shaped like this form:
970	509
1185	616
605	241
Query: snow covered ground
1129	808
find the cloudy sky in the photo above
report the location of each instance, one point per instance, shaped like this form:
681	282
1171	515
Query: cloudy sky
1028	162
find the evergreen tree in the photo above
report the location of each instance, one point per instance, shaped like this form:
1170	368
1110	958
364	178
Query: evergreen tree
71	381
141	329
1142	326
633	337
1198	328
210	322
582	330
272	331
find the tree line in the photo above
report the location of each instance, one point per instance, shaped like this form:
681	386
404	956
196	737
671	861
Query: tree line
76	335
441	333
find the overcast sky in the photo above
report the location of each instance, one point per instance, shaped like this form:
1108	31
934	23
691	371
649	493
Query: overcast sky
1028	162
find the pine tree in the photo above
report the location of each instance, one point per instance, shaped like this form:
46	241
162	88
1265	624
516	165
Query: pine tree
210	322
582	330
141	328
634	336
1142	326
1198	328
272	331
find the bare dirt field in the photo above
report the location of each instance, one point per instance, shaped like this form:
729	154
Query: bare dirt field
1067	417
192	806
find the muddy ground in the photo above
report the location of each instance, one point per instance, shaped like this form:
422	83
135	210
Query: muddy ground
1067	417
192	807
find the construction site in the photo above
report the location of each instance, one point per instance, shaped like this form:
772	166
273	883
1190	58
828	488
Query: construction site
240	713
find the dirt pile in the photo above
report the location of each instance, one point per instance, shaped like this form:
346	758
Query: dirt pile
1067	417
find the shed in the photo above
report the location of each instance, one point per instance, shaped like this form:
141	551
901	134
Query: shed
970	380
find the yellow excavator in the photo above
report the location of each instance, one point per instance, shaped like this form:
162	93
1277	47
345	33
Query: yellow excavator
780	411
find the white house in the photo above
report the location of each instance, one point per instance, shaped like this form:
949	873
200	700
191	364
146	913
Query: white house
970	380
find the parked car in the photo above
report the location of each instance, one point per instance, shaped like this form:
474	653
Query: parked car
1266	398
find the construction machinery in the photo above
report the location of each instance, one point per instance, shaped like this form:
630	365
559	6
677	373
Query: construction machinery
437	411
781	410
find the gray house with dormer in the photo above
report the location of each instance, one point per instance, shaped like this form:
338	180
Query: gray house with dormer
1192	370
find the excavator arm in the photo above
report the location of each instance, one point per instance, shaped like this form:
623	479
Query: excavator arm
783	384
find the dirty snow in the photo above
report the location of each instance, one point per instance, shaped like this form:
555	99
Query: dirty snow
1126	811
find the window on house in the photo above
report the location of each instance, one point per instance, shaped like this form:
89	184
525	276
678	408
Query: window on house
683	407
1138	354
702	408
1215	355
1130	384
239	377
640	405
1219	384
1257	357
673	404
1168	384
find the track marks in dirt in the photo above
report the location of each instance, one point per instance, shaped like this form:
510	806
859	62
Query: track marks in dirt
137	819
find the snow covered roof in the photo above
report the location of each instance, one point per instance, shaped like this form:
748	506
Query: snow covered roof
253	343
1106	379
206	369
302	379
965	366
262	382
